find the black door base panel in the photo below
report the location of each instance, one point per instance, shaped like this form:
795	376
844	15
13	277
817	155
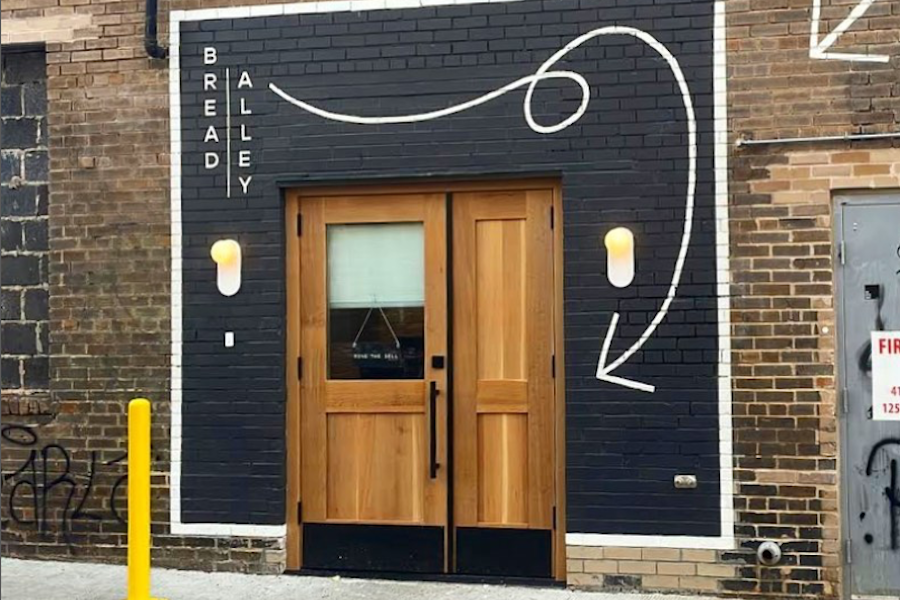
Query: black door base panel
504	552
539	582
373	548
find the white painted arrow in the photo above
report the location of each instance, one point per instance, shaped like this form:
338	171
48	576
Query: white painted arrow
820	49
604	370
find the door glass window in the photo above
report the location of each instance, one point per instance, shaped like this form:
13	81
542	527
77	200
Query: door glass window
376	301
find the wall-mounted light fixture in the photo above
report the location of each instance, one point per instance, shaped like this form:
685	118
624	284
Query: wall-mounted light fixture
227	256
620	257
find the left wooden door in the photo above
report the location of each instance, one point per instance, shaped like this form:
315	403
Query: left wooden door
372	304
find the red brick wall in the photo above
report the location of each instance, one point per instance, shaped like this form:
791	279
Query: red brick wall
108	284
786	440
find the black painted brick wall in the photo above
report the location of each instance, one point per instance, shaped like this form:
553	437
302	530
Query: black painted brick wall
23	224
623	163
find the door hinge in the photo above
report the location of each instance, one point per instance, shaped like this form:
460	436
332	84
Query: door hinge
552	218
299	224
299	367
845	400
299	513
553	366
842	252
554	518
848	551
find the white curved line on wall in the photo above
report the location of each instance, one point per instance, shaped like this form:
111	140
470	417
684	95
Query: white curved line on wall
604	370
531	81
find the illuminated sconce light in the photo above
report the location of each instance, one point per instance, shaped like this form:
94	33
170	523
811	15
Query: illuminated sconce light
227	256
620	257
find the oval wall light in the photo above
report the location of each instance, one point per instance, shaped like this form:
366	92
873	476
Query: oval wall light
227	256
620	257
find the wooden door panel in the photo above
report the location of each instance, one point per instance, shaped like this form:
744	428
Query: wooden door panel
365	442
501	385
501	396
313	350
385	396
500	297
503	470
541	357
387	208
503	391
376	468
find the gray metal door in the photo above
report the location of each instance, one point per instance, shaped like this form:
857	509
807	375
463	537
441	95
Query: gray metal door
868	300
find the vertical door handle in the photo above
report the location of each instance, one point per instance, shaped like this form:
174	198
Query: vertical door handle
432	448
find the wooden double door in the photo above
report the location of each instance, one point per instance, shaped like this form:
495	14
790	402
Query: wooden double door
423	418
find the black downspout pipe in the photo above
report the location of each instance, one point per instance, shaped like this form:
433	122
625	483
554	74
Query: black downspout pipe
151	41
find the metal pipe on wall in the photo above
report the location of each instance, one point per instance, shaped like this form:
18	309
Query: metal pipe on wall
850	137
151	28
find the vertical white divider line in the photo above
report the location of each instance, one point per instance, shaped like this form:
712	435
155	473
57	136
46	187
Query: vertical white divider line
723	270
228	132
176	275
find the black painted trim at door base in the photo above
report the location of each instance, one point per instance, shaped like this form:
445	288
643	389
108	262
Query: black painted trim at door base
539	582
495	552
373	548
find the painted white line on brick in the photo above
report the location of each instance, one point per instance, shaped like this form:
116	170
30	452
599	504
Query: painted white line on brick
819	49
723	276
175	447
649	541
228	131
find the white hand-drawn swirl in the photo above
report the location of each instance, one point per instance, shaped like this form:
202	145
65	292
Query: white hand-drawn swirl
604	371
531	81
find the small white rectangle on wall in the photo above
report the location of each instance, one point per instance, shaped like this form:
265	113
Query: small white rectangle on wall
229	339
886	375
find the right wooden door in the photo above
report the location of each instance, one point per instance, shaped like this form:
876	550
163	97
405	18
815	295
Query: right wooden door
503	382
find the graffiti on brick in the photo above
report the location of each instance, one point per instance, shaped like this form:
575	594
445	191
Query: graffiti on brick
891	491
864	358
45	473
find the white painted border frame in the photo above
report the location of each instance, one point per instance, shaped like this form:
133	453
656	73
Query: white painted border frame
725	541
175	524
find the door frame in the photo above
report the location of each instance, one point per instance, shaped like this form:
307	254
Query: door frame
840	200
293	197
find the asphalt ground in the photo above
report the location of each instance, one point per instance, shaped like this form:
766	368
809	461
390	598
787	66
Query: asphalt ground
45	580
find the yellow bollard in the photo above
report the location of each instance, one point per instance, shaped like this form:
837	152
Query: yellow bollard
139	499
